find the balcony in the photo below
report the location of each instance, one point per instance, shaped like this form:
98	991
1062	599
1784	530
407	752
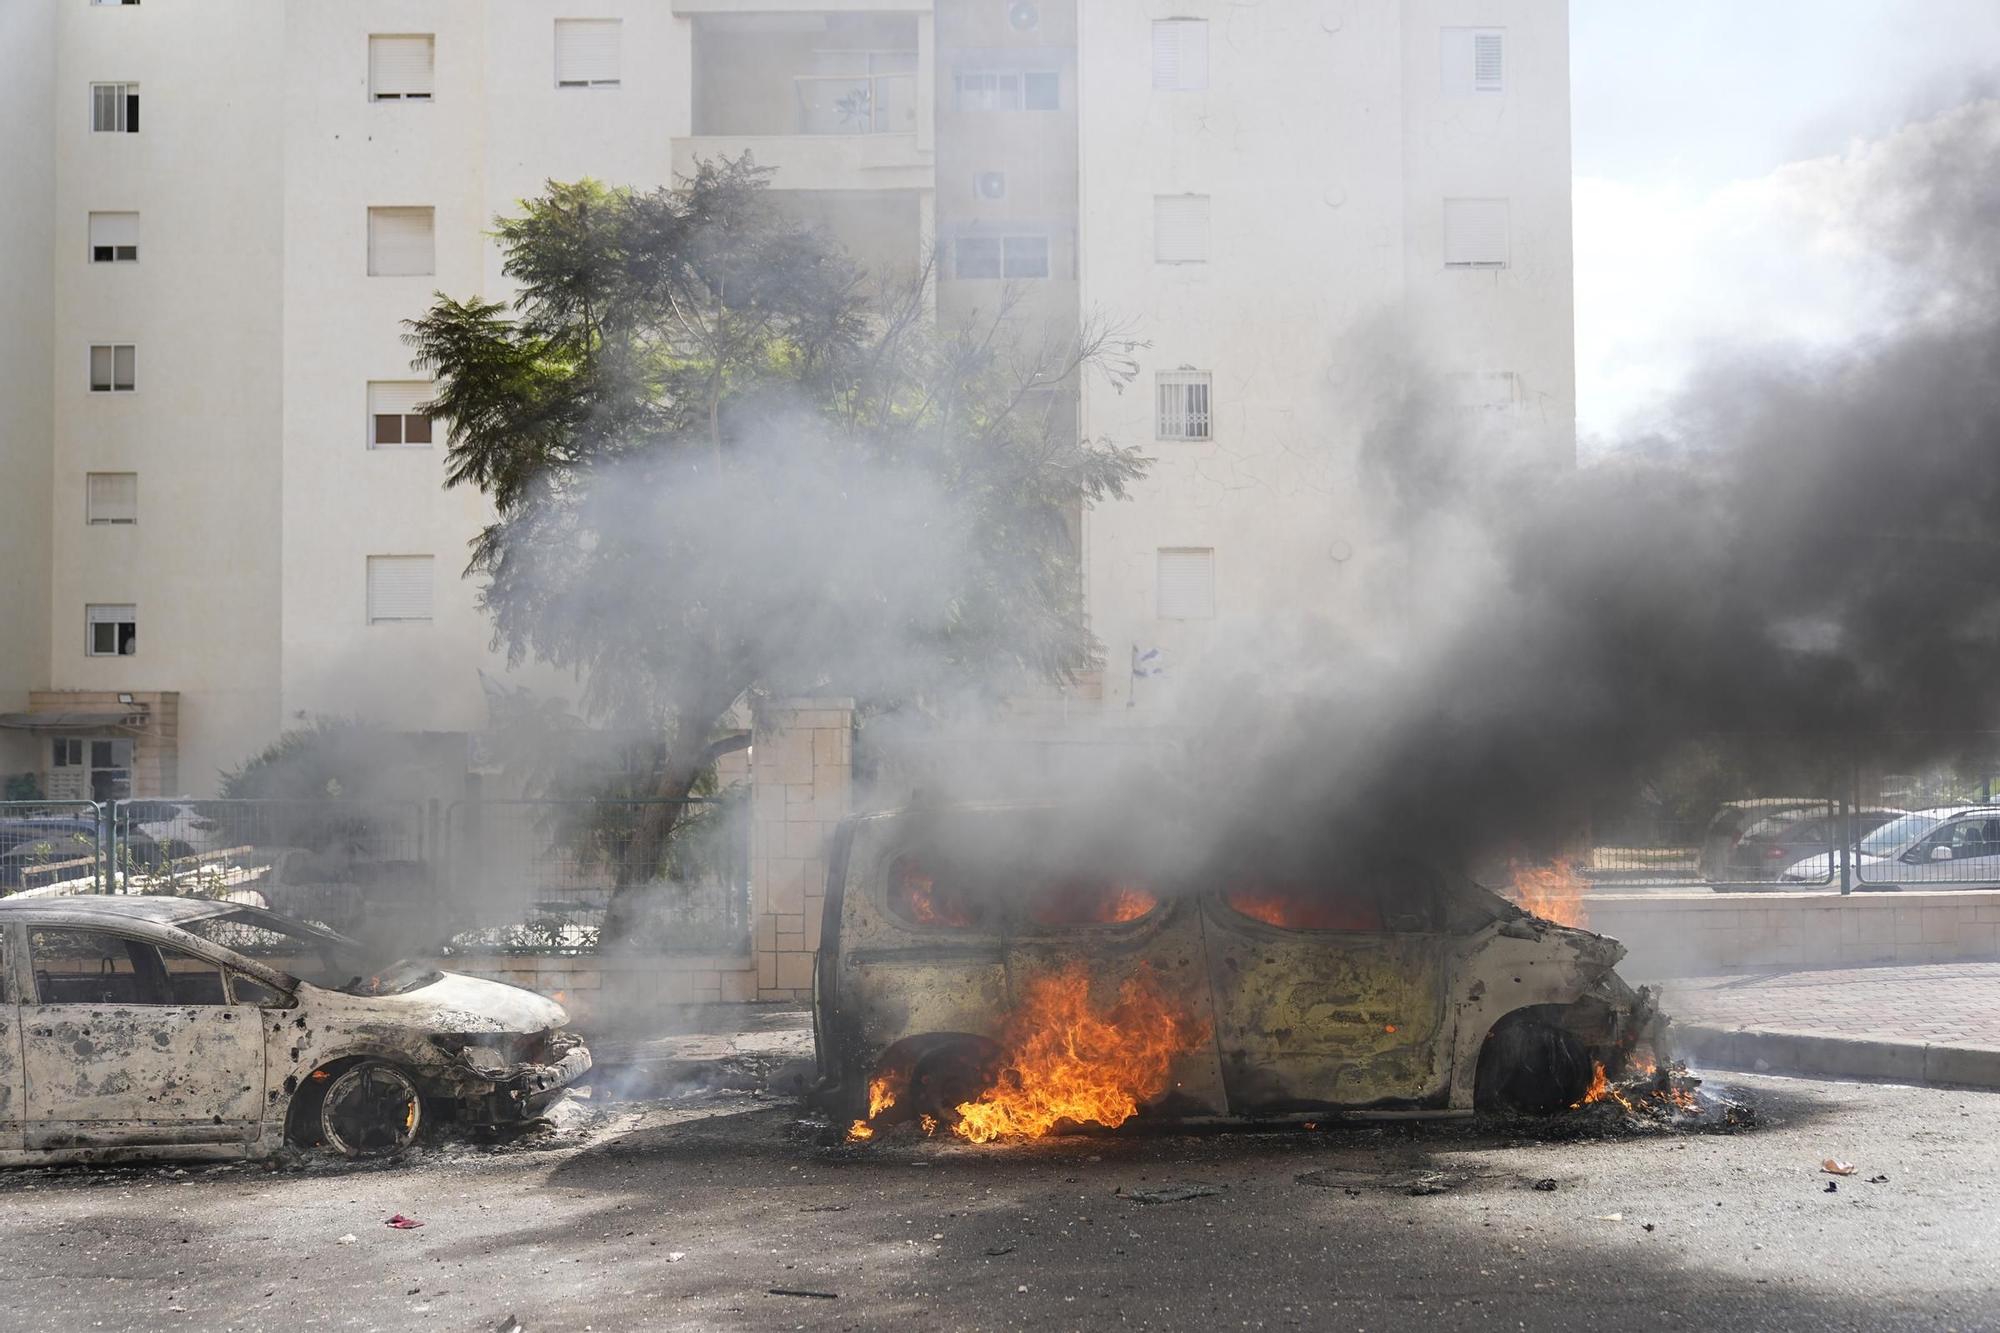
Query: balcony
830	101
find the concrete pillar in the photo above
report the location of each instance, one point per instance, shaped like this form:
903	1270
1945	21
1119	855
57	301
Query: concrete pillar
801	778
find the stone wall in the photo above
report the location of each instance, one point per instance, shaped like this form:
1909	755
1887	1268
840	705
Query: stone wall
801	781
1687	934
614	995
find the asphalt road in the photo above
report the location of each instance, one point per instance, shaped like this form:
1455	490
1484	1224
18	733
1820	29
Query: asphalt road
687	1215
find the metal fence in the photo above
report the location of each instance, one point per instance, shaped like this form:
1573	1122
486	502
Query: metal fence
1804	844
542	874
474	875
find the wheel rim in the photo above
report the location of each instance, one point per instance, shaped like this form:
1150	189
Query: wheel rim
370	1110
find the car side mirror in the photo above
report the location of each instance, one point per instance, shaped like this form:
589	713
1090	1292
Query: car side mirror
1940	853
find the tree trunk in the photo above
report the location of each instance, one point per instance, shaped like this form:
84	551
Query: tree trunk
642	864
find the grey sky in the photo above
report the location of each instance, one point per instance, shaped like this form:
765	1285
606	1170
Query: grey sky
1692	212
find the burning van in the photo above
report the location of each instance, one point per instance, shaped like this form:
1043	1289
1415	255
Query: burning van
976	978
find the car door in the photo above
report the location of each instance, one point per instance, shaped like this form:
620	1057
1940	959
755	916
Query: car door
1325	997
1956	854
127	1041
11	1095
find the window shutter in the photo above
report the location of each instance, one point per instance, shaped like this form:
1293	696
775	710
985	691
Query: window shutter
1180	229
403	398
400	241
587	52
1475	233
1180	54
114	229
1486	68
111	497
399	588
401	67
1187	583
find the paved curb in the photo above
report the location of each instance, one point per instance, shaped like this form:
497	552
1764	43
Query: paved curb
1775	1050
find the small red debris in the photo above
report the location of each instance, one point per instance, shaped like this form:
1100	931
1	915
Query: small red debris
402	1223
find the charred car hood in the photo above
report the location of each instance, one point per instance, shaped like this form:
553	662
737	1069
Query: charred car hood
454	1003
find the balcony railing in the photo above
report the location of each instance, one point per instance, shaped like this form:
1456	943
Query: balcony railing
856	103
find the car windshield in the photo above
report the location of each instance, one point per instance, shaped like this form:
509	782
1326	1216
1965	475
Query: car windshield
313	954
1898	832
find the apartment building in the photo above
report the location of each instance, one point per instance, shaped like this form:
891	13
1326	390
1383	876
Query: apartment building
225	510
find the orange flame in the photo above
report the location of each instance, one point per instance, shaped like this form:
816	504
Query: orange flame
1674	1092
1553	892
1305	909
1102	904
915	896
1065	1061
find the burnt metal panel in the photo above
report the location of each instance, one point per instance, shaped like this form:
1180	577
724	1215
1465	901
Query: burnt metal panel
1316	1018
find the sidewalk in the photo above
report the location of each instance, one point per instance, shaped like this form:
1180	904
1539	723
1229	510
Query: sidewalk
1929	1023
753	1047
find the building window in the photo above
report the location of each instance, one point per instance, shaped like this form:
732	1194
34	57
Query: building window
1180	55
1180	229
1472	61
114	108
1475	233
1183	399
1186	583
587	53
112	367
110	497
1485	392
998	90
400	68
394	421
114	238
401	242
1001	257
399	589
112	631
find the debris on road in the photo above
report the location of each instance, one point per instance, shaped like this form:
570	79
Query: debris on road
402	1223
814	1295
1833	1166
1168	1193
348	1239
996	1251
675	1256
1833	1187
1878	1180
510	1325
1545	1186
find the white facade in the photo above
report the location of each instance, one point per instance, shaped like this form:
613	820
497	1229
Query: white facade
1301	157
1265	203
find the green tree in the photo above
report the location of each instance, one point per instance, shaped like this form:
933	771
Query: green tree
722	464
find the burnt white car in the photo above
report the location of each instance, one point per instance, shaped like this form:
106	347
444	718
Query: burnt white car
186	1029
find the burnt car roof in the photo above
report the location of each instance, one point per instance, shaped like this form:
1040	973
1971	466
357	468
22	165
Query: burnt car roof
105	907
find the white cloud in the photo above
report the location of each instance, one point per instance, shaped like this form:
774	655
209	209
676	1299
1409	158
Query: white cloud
1668	277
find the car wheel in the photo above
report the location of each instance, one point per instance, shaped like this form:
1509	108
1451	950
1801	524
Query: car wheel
1531	1067
370	1109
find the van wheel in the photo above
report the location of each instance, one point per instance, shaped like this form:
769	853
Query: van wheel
1530	1066
370	1109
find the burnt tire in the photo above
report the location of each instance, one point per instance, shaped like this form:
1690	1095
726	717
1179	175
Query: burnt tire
1531	1067
370	1109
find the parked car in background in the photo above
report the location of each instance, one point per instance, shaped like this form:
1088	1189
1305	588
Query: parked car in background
1948	847
176	825
180	1028
1769	845
29	845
